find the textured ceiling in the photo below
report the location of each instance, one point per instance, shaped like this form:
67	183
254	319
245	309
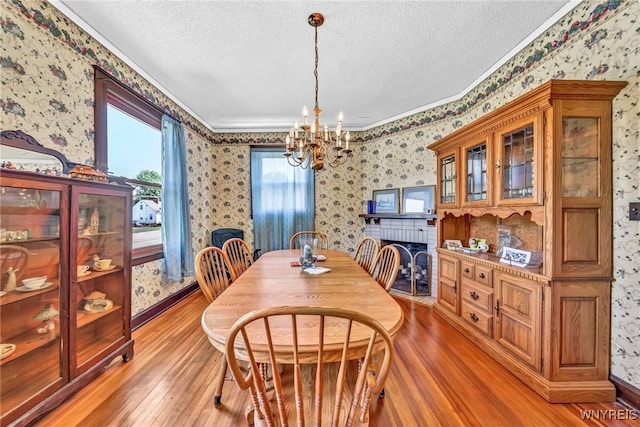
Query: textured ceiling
248	65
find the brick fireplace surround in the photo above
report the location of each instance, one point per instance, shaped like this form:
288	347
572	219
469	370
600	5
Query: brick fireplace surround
408	231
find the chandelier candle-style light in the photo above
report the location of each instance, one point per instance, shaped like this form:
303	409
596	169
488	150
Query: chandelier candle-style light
312	145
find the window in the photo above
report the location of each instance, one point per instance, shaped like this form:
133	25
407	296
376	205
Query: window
129	128
282	199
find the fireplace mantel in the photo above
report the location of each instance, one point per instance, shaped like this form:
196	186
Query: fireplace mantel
430	218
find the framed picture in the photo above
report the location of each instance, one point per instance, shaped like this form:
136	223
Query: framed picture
514	256
418	199
452	244
386	201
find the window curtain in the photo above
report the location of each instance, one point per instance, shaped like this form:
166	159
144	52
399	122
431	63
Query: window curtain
282	199
176	217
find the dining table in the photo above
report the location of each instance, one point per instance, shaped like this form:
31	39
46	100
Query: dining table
275	280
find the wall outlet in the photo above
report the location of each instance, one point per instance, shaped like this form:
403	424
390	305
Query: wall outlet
634	211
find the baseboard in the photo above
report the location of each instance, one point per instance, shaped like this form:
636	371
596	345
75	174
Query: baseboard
153	311
626	393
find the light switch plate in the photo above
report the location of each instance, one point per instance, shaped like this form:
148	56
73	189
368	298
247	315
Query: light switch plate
634	211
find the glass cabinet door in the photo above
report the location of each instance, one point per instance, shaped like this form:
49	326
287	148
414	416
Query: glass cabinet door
475	169
97	259
32	282
519	171
580	157
448	181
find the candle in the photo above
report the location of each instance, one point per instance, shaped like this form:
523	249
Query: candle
305	113
288	141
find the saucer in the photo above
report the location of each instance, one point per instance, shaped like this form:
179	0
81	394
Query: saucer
86	273
3	293
25	289
111	267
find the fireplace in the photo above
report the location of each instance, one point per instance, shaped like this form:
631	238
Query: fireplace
416	242
414	274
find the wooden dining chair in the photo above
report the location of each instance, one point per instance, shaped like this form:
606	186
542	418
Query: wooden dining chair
342	389
323	242
386	266
238	254
366	253
214	275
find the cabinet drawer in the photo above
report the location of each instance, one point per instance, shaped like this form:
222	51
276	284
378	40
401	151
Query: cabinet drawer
478	318
483	275
477	296
467	269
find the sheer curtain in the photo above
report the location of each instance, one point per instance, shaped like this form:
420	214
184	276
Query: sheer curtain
282	199
176	217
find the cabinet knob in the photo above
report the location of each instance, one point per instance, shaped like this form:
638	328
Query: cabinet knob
466	270
482	276
473	317
498	165
473	295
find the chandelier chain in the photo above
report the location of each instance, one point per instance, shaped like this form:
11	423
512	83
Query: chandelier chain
315	70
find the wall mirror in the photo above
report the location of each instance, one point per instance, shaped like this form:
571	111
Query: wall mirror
22	152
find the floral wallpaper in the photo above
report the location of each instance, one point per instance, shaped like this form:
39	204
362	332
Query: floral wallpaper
47	91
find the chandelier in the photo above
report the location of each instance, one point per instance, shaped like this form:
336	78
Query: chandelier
309	144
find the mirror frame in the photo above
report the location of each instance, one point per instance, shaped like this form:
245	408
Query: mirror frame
19	139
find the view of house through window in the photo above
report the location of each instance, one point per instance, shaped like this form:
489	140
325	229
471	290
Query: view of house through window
135	152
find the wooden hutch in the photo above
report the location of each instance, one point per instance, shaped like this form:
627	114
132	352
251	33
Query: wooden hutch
56	337
536	173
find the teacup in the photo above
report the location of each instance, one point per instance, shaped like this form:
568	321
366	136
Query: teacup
82	270
102	264
483	246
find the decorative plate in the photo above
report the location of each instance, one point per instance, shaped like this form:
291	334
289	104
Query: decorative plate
6	349
98	305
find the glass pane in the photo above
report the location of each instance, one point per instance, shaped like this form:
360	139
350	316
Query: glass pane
30	308
448	179
580	157
135	151
517	155
477	173
100	253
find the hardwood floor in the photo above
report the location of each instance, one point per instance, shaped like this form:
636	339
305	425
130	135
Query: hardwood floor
438	378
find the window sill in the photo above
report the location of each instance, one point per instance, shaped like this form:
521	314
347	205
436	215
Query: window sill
146	254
